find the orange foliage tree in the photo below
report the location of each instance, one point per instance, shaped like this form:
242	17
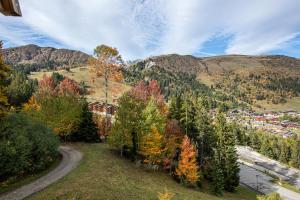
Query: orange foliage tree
31	105
100	123
188	169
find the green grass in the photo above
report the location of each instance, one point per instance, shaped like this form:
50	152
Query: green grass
293	103
285	185
103	174
14	183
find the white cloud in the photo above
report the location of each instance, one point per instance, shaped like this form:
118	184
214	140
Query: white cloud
140	28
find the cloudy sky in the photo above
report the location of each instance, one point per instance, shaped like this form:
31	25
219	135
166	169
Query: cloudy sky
142	28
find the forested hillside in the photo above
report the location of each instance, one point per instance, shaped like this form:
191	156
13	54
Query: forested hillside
248	79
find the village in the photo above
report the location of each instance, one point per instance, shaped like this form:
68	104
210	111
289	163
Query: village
278	123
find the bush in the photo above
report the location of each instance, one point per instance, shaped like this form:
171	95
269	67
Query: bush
26	146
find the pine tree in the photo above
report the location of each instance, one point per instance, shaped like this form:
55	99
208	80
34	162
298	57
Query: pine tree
284	152
296	154
226	148
187	116
205	134
217	185
175	107
188	169
4	69
87	130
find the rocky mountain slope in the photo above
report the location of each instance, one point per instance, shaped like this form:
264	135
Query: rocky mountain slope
36	58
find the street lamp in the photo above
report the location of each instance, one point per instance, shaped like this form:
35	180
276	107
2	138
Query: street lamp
257	181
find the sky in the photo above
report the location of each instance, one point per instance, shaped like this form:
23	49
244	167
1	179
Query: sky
143	28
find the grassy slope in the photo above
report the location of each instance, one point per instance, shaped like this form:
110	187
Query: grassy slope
104	175
293	103
82	74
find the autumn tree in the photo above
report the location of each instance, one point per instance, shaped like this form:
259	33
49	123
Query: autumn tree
166	195
152	117
107	64
173	137
69	87
127	120
272	196
47	87
100	123
188	169
4	69
152	146
31	105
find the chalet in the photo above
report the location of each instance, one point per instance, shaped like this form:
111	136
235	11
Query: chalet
99	107
10	8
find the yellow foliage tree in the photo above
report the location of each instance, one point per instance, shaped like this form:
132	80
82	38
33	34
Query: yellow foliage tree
151	146
107	64
4	70
31	105
166	195
272	196
188	169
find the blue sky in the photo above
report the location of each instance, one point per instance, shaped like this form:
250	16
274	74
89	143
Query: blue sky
142	28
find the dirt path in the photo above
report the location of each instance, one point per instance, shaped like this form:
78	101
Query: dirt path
70	159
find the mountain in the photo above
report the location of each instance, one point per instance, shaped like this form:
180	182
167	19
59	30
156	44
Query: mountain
239	78
221	64
34	58
251	79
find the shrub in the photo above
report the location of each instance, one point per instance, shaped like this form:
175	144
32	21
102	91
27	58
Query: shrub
26	146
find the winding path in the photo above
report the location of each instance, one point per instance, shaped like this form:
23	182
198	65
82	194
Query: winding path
70	159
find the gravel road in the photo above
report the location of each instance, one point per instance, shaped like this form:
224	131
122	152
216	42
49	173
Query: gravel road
70	159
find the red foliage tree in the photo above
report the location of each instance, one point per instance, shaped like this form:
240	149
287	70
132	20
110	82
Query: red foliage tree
46	86
140	91
69	86
144	92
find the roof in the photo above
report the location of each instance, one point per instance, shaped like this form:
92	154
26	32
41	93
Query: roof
10	8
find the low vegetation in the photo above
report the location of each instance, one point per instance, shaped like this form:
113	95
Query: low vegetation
26	146
103	174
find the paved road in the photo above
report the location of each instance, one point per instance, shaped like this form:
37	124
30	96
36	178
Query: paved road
289	174
253	175
70	159
262	182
